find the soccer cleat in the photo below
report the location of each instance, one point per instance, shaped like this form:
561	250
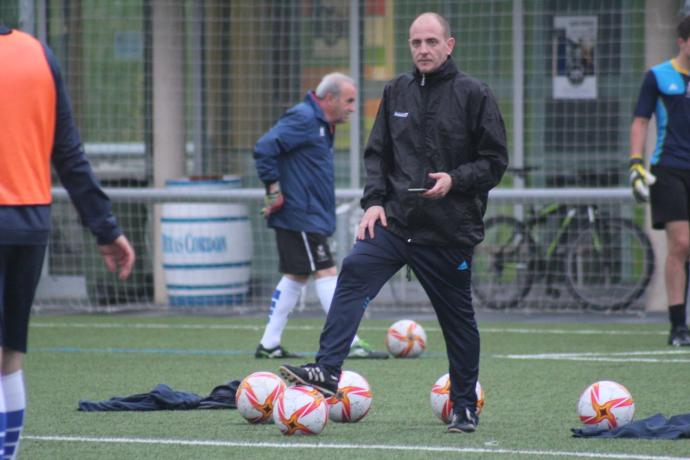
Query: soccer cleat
464	421
313	375
273	353
680	337
362	350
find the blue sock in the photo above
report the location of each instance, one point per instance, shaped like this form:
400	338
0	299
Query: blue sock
3	420
15	403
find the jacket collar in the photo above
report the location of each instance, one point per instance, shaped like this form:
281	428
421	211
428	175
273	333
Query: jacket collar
311	100
447	70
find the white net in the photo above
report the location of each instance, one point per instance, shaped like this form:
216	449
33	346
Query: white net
166	89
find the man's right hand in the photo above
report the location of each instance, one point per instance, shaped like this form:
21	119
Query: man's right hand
640	179
273	201
118	257
369	219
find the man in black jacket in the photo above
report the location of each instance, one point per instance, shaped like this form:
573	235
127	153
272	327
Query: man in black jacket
436	149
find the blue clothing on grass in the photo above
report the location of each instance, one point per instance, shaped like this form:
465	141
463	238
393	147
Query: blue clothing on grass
162	397
665	93
298	152
654	427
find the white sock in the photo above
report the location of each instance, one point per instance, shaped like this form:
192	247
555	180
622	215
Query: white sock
325	288
15	403
284	299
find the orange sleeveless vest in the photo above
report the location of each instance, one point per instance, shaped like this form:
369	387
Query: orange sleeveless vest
27	121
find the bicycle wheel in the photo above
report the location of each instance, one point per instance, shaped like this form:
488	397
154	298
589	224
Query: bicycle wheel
501	275
609	265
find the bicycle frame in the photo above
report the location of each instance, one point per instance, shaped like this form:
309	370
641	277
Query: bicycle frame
570	213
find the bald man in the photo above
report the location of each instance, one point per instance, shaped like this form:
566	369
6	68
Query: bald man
437	147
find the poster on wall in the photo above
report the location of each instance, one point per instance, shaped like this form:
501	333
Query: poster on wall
573	60
330	34
324	40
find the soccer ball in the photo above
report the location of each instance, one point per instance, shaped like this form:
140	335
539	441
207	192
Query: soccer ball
300	410
256	396
606	405
353	399
406	339
442	406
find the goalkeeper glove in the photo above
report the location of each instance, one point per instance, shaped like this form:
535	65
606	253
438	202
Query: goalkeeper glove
273	201
640	179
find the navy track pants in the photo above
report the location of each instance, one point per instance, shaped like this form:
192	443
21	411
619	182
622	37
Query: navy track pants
20	272
445	274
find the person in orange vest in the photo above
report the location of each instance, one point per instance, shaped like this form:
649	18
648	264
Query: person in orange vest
37	129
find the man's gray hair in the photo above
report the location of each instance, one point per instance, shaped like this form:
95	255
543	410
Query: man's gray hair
332	84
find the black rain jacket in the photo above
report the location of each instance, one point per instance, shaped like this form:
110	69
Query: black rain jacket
444	121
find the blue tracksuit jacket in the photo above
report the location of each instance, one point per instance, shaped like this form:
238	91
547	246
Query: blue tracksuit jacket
298	152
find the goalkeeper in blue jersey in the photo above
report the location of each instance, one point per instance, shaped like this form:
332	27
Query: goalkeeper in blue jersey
665	93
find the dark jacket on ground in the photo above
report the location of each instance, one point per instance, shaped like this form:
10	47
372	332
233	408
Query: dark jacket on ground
654	427
445	121
162	397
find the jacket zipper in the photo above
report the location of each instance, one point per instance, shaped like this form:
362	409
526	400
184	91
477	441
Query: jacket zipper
410	238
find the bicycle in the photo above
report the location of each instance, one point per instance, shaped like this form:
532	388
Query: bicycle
606	262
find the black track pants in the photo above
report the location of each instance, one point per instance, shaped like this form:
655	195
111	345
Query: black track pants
445	274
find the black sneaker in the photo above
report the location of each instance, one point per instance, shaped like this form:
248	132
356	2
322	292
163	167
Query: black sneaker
464	421
272	353
680	337
313	375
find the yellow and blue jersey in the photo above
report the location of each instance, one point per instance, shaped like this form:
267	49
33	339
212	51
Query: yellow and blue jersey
665	93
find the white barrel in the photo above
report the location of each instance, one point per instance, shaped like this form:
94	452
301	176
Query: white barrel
206	247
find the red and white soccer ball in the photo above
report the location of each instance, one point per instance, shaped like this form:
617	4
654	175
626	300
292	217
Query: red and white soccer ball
257	395
441	404
406	339
606	405
353	399
301	410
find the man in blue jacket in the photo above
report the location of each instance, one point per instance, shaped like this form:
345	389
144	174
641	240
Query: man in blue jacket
37	129
294	160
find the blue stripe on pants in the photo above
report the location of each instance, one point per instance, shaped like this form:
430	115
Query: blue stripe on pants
445	274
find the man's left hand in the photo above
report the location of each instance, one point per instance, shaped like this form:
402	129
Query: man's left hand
441	187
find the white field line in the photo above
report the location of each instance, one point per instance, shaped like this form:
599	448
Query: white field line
250	327
613	357
326	446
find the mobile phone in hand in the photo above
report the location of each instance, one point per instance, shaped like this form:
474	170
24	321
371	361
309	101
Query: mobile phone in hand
417	190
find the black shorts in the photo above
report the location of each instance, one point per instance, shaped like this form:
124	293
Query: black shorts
20	271
303	253
669	197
